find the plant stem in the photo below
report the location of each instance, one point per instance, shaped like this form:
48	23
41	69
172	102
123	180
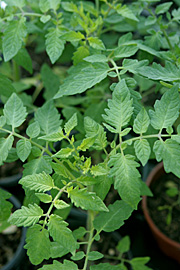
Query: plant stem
115	68
90	236
97	5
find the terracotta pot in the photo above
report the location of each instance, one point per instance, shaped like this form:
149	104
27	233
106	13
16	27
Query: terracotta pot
170	247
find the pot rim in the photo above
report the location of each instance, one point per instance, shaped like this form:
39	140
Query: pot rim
159	167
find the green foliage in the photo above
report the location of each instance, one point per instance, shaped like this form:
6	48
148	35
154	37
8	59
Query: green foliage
76	82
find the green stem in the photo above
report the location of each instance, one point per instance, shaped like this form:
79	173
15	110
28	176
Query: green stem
37	92
16	71
97	5
115	68
90	236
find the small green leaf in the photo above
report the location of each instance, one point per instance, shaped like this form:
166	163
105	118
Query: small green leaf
106	266
126	12
139	263
72	123
60	169
114	219
60	233
26	216
142	150
36	166
73	36
5	206
23	148
162	8
69	6
141	122
100	169
96	43
86	143
57	250
67	265
60	204
53	137
124	244
95	255
54	44
39	182
38	244
33	130
78	256
86	200
13	38
80	54
96	58
44	5
64	153
45	198
45	18
14	111
6	87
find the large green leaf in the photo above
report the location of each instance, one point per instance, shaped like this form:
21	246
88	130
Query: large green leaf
54	44
120	108
23	59
67	265
168	73
13	38
48	118
114	219
60	233
169	152
127	182
83	78
86	200
14	111
93	129
39	182
26	216
166	109
38	244
5	146
5	206
36	166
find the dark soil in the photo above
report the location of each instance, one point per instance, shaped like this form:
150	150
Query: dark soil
161	198
8	246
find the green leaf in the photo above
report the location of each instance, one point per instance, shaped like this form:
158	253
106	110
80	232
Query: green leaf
23	149
124	244
100	169
44	5
17	3
53	137
64	153
45	198
59	204
39	182
142	150
33	130
86	143
60	233
133	66
166	109
168	73
162	8
169	151
73	36
86	200
78	256
127	182
13	38
5	206
26	216
139	263
38	244
14	111
83	78
80	54
67	265
45	18
6	87
126	12
72	123
23	59
5	146
60	169
94	255
69	6
93	129
54	44
120	108
141	122
48	118
114	219
36	166
125	51
96	43
96	58
57	250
